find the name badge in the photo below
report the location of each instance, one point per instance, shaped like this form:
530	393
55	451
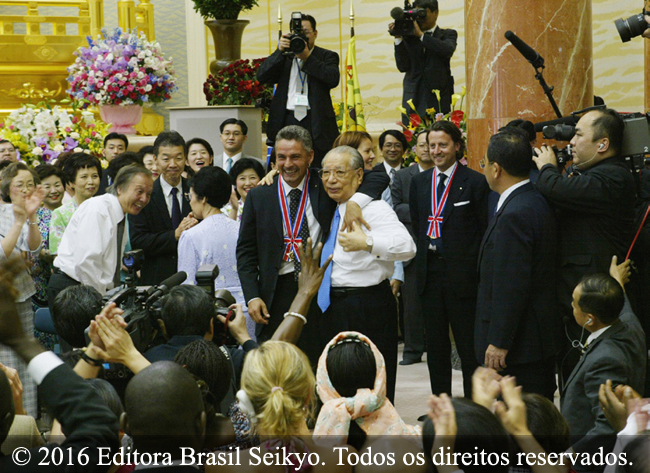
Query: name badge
302	100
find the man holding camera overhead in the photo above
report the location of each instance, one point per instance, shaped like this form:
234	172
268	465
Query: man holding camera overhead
424	53
304	79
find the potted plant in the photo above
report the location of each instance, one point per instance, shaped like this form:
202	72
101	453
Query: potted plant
120	72
221	17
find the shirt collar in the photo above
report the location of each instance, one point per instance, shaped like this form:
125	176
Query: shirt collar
234	157
287	188
510	190
594	335
432	30
388	167
167	187
449	171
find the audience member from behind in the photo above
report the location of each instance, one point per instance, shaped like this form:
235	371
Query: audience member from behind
83	172
73	310
245	175
351	383
149	160
19	233
362	142
277	395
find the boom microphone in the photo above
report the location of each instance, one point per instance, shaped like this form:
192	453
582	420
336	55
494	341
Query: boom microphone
164	287
529	53
397	13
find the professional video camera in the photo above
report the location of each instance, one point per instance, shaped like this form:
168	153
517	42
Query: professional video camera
297	39
633	26
404	19
205	277
560	132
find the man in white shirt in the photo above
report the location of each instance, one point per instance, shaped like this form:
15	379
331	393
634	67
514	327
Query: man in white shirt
234	134
355	293
93	243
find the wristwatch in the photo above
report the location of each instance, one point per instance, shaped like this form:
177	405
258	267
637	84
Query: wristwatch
369	242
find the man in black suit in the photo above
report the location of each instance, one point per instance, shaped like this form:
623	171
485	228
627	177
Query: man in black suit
516	323
425	57
448	222
414	341
302	96
266	253
595	205
159	226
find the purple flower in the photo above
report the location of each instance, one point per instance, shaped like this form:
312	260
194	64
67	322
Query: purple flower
70	143
41	142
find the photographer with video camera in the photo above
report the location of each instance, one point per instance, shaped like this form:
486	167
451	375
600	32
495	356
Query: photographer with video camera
423	51
595	205
304	74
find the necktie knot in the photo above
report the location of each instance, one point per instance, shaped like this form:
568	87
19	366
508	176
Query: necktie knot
174	191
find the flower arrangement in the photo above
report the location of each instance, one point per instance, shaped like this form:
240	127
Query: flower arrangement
417	123
41	132
121	68
222	9
237	85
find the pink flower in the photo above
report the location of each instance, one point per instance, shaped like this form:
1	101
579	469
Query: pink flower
50	134
87	140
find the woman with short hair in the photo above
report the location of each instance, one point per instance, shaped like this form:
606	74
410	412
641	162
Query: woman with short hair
245	175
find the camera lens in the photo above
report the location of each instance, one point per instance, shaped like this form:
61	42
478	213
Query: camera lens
631	27
297	45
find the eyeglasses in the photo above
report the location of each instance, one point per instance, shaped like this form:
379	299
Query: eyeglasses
393	145
339	173
28	186
228	134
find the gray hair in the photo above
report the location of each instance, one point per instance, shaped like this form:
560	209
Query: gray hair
125	176
356	161
296	133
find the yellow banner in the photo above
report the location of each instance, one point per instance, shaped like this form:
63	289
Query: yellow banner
353	118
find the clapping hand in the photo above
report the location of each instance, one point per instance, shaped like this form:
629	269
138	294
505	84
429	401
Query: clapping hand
512	410
311	273
16	387
485	387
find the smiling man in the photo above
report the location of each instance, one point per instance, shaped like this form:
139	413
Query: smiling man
276	220
158	229
355	294
93	243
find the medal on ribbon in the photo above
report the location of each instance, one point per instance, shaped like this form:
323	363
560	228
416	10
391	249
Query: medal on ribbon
293	240
438	207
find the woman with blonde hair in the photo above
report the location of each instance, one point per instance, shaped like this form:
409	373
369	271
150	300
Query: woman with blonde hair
277	393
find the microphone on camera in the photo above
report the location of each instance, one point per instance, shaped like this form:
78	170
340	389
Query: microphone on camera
397	13
529	53
164	287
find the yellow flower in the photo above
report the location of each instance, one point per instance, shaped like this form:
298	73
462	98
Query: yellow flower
410	102
431	111
463	91
437	92
454	98
401	110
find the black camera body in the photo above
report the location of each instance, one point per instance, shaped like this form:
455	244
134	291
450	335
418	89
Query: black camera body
223	299
297	39
404	18
632	27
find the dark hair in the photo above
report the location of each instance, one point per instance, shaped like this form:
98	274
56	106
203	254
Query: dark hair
546	423
351	366
108	395
511	149
48	170
78	161
3	140
398	135
430	4
242	165
117	136
124	177
351	138
525	125
6	407
168	138
234	121
454	133
206	360
125	159
8	175
4	164
310	19
72	311
187	310
198	141
609	124
478	430
601	296
144	151
214	184
296	133
271	158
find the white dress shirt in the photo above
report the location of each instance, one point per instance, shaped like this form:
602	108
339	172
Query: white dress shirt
88	249
508	191
391	242
167	192
594	335
296	84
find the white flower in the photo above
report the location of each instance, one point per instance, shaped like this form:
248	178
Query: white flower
37	151
87	151
88	116
78	149
74	135
59	148
147	88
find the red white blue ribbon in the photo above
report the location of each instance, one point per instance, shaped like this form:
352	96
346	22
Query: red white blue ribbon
293	240
437	208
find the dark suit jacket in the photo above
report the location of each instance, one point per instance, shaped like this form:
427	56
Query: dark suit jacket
516	303
464	222
400	194
152	231
261	239
426	64
322	68
87	422
595	216
618	354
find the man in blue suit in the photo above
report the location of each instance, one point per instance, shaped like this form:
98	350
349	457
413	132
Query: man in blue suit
516	315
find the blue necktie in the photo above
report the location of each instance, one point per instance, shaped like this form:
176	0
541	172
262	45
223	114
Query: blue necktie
328	250
228	164
176	209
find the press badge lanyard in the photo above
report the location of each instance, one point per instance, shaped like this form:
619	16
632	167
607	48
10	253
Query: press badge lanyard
302	78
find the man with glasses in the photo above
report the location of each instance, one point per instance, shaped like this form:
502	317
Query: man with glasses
302	96
234	134
449	216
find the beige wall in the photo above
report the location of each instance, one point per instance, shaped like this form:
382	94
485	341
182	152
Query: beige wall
618	67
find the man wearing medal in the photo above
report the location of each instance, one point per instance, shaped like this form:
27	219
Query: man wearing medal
277	219
448	206
302	96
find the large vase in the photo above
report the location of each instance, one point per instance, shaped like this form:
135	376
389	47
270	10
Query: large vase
227	42
122	118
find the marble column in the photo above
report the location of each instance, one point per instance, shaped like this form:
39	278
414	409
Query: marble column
501	84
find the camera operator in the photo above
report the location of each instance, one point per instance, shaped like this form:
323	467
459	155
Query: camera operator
304	80
595	205
425	56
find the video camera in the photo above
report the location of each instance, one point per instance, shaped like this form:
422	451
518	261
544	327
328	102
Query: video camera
223	299
297	39
633	26
404	18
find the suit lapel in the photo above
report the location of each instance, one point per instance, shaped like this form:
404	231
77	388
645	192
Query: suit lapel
458	185
276	211
314	195
186	205
158	198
